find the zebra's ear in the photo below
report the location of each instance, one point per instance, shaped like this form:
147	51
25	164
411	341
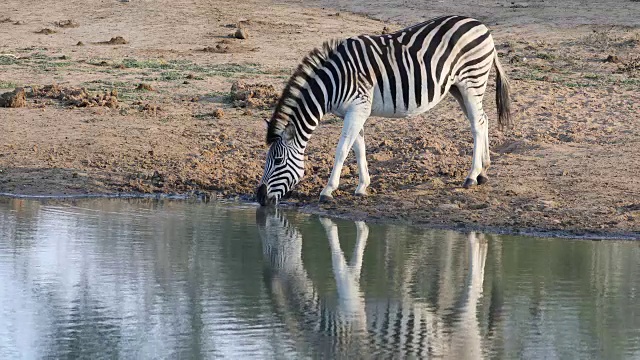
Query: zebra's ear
266	123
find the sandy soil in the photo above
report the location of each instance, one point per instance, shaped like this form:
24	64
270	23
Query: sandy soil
570	165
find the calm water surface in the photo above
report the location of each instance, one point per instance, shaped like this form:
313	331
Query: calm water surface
149	279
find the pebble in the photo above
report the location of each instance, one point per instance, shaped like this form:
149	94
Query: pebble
448	207
241	34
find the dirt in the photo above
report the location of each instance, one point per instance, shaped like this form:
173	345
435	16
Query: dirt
569	164
226	46
261	96
75	97
631	66
116	40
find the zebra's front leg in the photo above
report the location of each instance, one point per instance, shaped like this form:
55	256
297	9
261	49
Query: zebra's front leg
363	171
353	122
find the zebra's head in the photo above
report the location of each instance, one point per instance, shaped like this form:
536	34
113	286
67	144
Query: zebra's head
283	169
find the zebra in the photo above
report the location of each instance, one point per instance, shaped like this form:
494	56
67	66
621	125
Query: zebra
396	75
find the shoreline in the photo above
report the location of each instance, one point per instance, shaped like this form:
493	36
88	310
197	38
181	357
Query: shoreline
317	209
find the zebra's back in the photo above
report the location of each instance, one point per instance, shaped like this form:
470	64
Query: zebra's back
413	68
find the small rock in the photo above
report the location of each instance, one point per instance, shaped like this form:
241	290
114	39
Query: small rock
116	40
146	87
219	48
80	43
448	207
14	99
386	143
46	31
612	59
67	24
111	102
19	22
218	113
436	183
479	206
548	204
157	179
241	34
150	108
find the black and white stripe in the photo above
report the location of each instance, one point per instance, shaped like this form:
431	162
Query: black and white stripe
395	75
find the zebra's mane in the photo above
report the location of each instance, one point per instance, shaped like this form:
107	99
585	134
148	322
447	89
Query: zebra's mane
313	61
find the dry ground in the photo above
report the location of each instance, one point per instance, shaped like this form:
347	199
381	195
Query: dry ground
570	164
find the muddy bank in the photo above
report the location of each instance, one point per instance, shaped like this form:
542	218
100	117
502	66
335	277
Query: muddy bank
196	126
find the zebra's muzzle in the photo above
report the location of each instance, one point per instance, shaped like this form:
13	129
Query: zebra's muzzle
261	195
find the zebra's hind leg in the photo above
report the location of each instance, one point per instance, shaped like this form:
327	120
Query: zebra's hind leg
470	99
363	171
486	159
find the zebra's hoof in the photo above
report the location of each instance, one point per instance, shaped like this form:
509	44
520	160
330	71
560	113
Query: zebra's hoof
469	183
361	194
326	199
482	179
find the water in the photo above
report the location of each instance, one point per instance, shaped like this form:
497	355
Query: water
149	279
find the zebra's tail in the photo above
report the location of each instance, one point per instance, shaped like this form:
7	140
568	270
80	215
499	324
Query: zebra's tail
503	101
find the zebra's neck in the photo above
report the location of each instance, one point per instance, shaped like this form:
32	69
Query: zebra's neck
303	112
315	89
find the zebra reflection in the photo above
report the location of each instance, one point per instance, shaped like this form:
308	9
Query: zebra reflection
308	316
353	327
